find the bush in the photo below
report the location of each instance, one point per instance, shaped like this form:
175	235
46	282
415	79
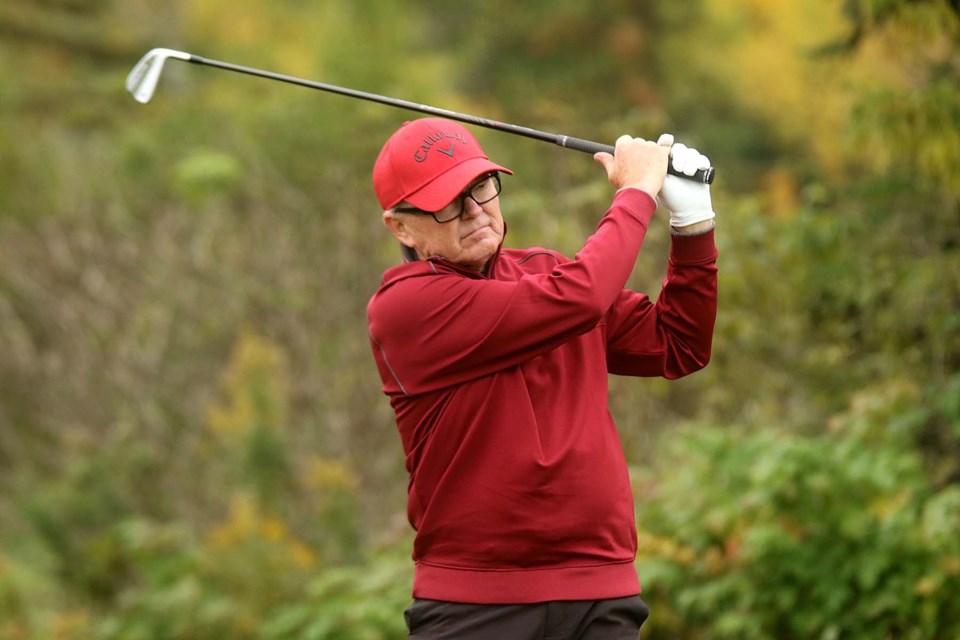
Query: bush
764	534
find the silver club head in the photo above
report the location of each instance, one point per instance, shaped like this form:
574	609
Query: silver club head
142	80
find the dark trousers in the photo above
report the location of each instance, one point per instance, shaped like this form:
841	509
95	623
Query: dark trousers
615	619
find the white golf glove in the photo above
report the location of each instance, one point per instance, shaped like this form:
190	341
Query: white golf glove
688	201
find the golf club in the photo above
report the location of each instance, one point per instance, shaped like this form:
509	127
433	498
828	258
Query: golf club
143	79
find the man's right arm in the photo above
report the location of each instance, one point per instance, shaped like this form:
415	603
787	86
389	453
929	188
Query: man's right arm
431	332
436	330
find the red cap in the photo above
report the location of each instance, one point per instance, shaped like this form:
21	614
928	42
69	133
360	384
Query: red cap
427	163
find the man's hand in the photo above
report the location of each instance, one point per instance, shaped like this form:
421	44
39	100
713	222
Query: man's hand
688	201
637	163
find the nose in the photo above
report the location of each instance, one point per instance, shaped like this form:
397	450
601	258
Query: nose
470	207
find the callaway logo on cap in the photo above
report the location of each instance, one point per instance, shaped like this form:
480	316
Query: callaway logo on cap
427	163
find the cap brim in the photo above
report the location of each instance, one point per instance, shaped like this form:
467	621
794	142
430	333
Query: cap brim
441	191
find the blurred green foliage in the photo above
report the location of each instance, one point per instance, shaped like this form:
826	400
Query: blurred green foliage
772	535
192	439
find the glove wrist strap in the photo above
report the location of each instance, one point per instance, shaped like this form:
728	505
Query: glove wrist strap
690	217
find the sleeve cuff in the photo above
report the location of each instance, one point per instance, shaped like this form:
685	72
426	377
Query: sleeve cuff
693	249
637	201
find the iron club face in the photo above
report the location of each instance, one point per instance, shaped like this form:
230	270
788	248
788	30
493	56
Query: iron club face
143	78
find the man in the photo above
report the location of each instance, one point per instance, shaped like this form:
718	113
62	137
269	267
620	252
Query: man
496	361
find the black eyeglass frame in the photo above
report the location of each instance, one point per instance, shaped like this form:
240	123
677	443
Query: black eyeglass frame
461	198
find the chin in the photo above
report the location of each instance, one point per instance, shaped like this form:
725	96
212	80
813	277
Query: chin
476	259
484	249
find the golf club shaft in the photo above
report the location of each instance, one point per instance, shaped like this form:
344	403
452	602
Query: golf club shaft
587	146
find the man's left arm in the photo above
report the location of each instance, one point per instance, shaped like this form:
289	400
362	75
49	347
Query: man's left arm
674	336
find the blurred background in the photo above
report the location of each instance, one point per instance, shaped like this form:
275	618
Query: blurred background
193	441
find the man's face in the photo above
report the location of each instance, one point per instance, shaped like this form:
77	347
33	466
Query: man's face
469	241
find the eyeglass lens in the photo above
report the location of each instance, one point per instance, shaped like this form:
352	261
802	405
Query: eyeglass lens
481	193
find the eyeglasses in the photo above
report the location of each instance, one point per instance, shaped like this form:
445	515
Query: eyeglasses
482	192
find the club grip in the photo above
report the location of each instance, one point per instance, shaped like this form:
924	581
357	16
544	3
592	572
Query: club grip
588	146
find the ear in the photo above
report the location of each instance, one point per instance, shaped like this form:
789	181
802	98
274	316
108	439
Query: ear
397	227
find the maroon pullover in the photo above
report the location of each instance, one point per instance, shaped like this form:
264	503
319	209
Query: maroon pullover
518	488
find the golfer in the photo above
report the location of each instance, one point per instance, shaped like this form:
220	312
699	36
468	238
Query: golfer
496	360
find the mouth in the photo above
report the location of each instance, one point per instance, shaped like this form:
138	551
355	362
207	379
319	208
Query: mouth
476	231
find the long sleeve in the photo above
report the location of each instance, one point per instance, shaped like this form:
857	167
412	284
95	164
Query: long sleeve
439	328
673	336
